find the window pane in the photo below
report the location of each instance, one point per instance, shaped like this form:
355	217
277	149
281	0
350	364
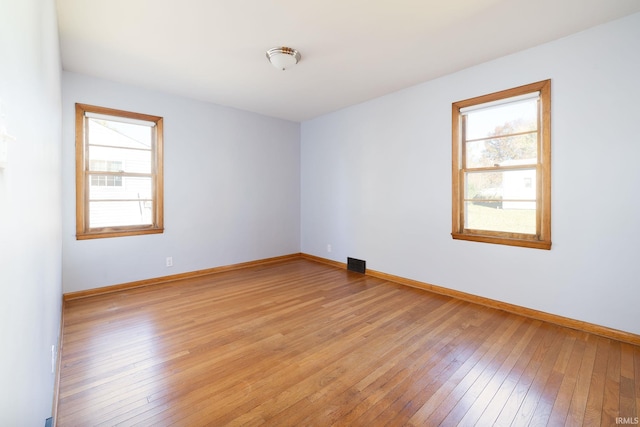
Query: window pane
503	151
502	119
129	188
118	134
113	214
119	159
497	189
518	217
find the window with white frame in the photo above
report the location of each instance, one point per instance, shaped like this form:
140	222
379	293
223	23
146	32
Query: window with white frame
119	187
502	167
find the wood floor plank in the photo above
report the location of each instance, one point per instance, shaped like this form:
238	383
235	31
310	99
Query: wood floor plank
546	363
297	342
431	371
440	386
577	407
593	408
545	405
388	342
412	380
562	402
636	382
440	404
326	377
627	380
611	398
515	386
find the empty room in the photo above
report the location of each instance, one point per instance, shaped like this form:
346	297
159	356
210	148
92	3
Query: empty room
319	213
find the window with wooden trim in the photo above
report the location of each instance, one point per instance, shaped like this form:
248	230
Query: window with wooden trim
119	182
502	167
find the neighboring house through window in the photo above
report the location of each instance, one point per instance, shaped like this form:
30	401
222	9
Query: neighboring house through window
119	181
502	167
106	180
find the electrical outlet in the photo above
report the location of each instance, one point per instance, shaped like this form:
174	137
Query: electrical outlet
329	248
169	261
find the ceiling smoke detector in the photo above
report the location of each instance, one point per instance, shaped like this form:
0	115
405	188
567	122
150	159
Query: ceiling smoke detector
283	57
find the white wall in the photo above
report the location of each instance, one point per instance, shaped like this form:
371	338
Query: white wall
232	189
376	182
30	242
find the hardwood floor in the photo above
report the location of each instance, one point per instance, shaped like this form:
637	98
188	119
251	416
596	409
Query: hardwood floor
301	343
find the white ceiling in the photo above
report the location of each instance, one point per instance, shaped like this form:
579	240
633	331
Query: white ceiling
352	50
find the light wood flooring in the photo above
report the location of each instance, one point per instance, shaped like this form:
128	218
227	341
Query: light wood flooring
299	343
